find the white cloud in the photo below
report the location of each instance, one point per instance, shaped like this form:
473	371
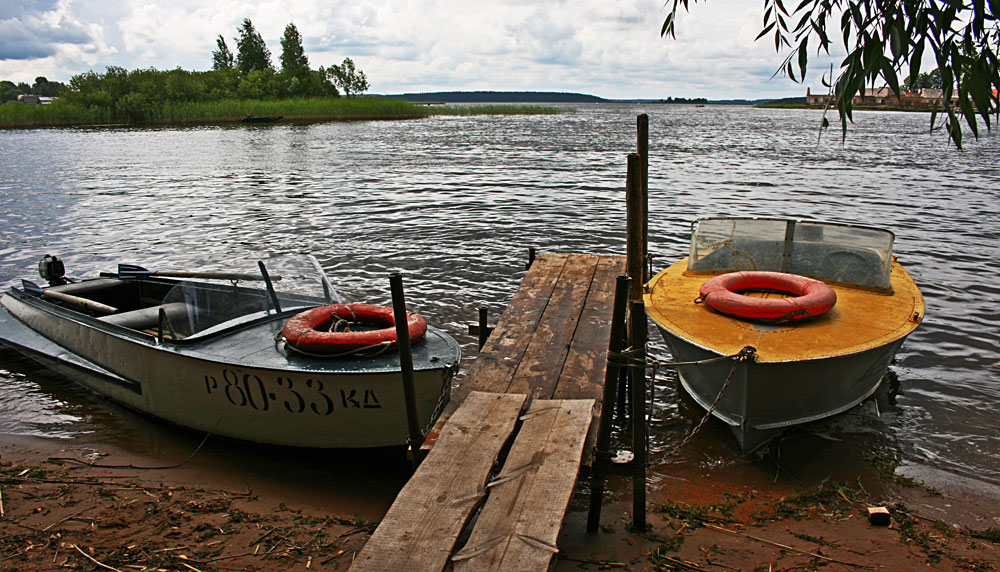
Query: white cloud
611	49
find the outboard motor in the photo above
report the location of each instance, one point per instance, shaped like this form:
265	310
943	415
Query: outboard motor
52	269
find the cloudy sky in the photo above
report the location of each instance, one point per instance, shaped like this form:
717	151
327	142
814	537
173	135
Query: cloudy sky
608	48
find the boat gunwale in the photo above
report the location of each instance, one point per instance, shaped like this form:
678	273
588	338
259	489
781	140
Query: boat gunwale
189	347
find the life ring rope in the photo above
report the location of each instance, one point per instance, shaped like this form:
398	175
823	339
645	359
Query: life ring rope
316	332
370	351
809	298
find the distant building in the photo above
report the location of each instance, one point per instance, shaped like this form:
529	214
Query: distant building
31	98
884	97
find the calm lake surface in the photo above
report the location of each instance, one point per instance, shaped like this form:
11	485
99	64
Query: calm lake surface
454	203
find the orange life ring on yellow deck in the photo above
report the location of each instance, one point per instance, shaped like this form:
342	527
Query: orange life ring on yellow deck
810	298
314	332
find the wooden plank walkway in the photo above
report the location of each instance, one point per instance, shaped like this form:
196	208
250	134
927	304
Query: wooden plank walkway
552	341
537	381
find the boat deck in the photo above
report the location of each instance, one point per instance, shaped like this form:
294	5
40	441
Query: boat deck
860	320
537	384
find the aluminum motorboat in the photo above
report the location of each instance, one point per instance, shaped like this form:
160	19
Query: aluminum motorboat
807	365
205	351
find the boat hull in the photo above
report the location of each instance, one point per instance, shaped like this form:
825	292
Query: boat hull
762	399
277	399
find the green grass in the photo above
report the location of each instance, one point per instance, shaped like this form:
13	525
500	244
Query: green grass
61	113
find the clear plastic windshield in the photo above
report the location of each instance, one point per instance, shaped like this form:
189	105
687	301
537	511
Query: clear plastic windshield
838	253
211	299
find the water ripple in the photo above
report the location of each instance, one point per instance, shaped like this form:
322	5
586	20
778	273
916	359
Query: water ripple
455	202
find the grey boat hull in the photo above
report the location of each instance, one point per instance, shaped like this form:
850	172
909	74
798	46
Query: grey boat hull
762	399
238	383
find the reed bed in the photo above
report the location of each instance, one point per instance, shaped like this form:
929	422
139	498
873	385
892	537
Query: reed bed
62	113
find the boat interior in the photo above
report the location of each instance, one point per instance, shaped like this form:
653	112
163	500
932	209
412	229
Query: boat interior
187	308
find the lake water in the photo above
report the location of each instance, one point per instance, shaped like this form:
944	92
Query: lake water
455	202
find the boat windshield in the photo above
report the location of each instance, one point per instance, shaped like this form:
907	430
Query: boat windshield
216	300
846	254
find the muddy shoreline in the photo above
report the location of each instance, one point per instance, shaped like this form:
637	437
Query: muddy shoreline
274	510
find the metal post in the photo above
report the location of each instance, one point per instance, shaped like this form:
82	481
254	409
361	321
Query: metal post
639	428
484	328
416	434
531	258
602	453
270	287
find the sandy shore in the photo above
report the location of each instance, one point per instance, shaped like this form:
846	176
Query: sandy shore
205	516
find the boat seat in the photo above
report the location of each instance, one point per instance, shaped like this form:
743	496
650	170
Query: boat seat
146	318
88	286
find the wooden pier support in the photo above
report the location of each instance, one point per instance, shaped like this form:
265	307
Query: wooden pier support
632	334
533	388
515	445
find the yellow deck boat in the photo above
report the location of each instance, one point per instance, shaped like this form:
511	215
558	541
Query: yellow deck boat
805	369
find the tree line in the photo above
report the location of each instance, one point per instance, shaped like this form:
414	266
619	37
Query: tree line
141	94
252	62
10	90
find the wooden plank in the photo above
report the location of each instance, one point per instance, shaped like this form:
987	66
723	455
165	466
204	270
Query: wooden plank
546	353
582	375
499	359
422	525
519	525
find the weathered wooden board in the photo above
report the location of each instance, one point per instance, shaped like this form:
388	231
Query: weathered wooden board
546	353
582	375
519	525
422	525
499	359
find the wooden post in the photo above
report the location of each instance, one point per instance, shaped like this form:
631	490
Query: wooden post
416	433
634	225
639	428
602	453
642	148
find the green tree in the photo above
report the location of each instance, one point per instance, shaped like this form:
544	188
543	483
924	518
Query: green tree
881	38
8	91
222	58
43	86
293	57
251	51
259	84
920	81
348	78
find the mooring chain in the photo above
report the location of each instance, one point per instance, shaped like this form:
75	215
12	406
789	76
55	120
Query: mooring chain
747	353
632	358
444	397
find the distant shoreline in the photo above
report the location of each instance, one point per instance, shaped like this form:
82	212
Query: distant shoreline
64	114
550	97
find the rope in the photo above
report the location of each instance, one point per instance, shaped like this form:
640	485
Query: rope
369	351
632	358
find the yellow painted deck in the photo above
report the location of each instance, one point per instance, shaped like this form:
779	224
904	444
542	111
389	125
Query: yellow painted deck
537	381
860	320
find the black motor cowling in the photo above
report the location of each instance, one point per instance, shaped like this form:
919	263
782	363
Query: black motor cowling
52	269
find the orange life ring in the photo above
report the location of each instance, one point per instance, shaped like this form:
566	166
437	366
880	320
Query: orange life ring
313	332
810	298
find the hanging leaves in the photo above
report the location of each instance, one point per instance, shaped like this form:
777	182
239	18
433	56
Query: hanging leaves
884	37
